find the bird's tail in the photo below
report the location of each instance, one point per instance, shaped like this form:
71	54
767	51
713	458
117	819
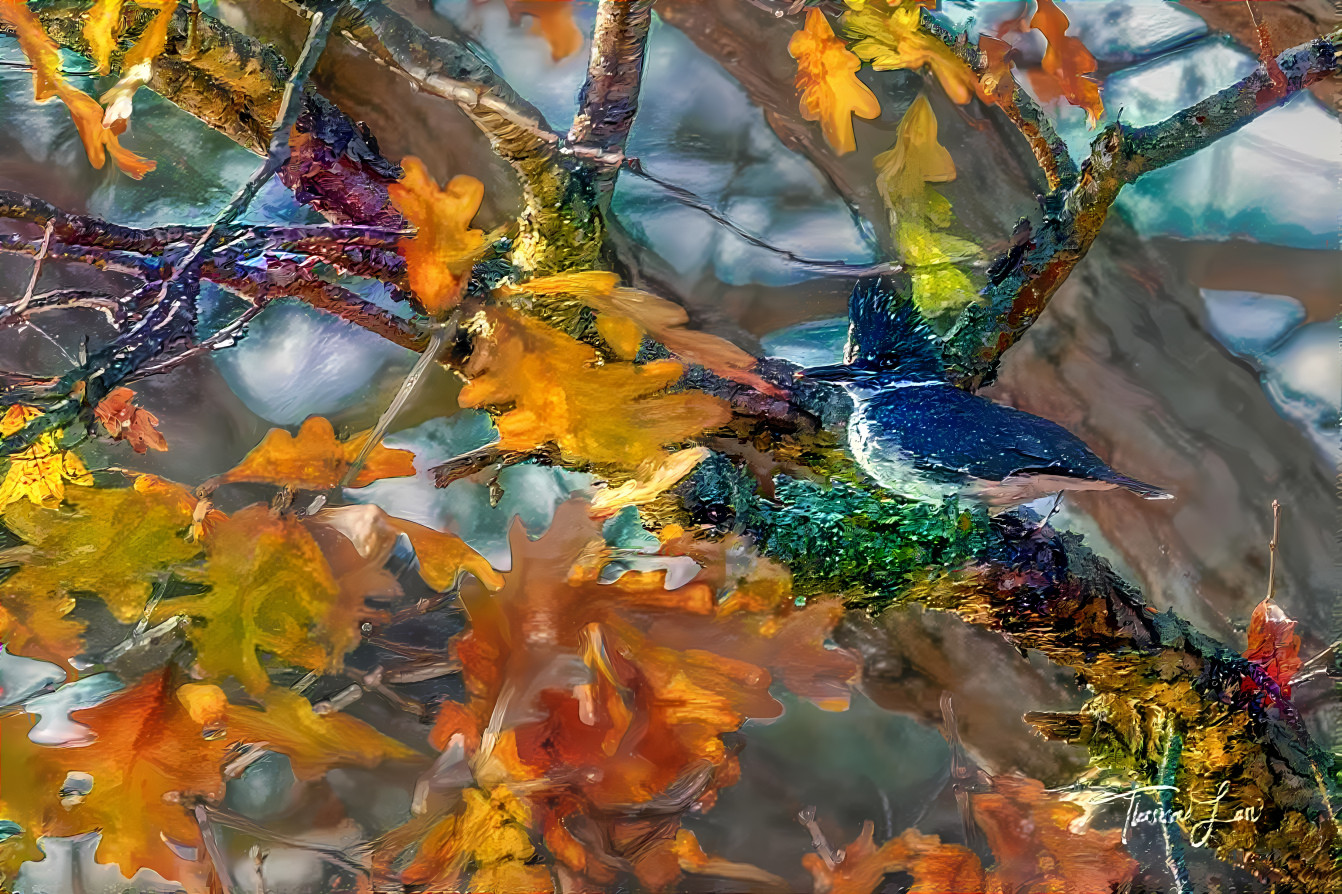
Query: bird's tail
1141	488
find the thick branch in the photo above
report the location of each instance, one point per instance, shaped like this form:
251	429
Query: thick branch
1046	591
1022	280
609	98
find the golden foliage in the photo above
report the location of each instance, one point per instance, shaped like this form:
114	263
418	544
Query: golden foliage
625	315
889	37
271	590
287	724
100	26
919	215
488	831
440	255
115	543
137	68
38	473
827	78
315	460
99	141
556	392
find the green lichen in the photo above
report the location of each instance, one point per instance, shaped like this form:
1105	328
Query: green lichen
840	538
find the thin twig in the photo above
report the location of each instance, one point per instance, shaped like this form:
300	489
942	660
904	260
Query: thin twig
437	339
218	860
690	200
1272	550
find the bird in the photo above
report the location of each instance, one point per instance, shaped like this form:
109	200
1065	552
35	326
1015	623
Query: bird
918	435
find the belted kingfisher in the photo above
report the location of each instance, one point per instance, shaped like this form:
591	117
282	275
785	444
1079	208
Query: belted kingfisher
922	437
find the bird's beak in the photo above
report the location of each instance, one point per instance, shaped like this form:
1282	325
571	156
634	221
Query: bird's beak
839	372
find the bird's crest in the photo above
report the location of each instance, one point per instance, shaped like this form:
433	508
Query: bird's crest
886	333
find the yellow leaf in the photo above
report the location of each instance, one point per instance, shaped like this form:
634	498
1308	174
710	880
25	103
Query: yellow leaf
315	460
827	79
38	473
272	591
286	724
650	482
440	255
915	159
100	31
919	213
890	38
557	393
625	315
48	82
113	543
488	830
138	67
939	286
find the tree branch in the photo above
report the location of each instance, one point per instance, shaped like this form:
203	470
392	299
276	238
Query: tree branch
609	98
1024	278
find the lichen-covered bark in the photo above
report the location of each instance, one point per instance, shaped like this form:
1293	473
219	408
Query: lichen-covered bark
1250	781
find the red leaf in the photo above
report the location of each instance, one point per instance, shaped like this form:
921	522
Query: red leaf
1273	646
126	422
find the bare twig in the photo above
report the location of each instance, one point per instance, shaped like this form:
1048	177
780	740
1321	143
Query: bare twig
1272	550
690	200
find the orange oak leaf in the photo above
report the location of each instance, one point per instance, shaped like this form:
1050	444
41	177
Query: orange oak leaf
615	413
286	723
554	22
272	591
889	37
1039	843
99	141
440	255
147	760
126	422
314	460
1067	62
567	674
1273	646
827	78
38	473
